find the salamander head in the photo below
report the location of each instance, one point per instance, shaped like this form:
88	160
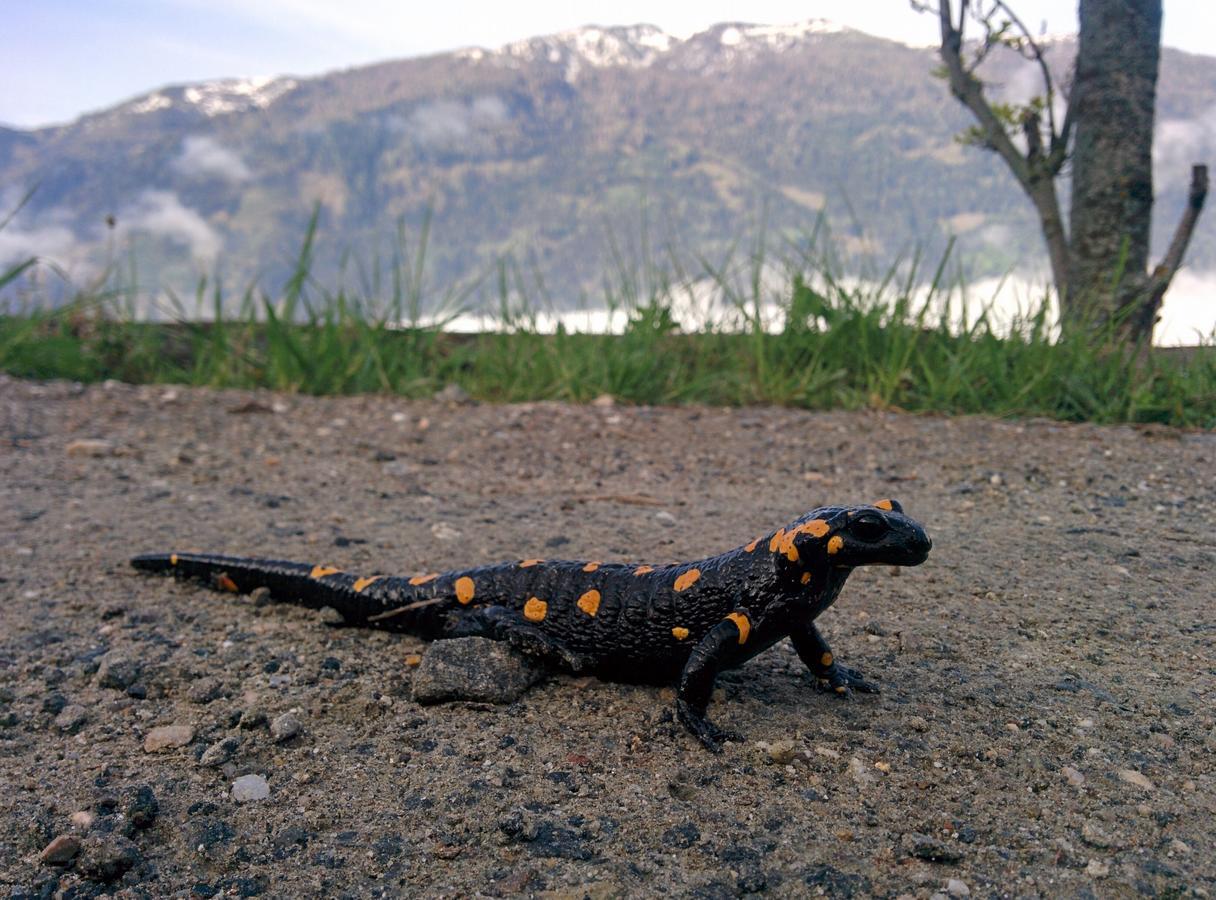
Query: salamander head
857	536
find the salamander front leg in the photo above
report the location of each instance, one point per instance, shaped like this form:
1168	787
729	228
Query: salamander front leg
697	679
815	652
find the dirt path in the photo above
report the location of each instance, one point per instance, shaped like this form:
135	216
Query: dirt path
1045	730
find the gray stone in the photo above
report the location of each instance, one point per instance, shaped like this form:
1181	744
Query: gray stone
473	668
71	718
250	787
285	727
204	690
924	847
220	752
117	671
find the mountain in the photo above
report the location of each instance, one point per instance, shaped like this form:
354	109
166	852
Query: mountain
559	152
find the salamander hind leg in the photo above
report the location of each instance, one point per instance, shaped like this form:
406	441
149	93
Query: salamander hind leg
814	651
507	625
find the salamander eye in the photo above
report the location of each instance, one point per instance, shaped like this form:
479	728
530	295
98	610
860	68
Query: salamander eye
868	528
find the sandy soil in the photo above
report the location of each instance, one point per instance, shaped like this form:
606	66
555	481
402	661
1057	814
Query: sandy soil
1046	727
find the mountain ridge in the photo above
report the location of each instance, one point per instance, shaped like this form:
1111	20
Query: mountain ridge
548	149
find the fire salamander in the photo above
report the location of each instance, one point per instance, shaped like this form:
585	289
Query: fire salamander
652	623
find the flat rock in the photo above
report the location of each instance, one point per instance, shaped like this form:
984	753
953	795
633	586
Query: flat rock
168	737
60	851
250	787
473	668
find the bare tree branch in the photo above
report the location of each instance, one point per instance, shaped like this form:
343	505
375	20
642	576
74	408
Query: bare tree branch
1164	273
1033	171
1037	56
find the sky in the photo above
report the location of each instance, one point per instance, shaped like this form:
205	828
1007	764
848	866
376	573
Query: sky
61	58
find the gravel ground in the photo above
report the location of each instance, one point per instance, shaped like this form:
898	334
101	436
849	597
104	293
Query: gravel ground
1046	726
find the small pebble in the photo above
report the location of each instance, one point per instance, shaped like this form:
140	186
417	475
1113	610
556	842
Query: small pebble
327	615
444	532
1096	836
453	393
220	752
665	517
252	718
71	719
204	690
863	775
957	888
285	727
167	737
1075	778
1097	869
93	447
82	818
250	787
1131	776
117	671
60	851
782	752
143	808
924	847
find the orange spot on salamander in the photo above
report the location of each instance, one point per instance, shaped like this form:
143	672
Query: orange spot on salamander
642	570
787	545
751	548
775	540
529	563
423	579
687	580
744	626
590	602
835	543
465	589
173	559
363	583
224	583
679	633
322	571
815	528
826	659
591	567
806	578
535	609
884	504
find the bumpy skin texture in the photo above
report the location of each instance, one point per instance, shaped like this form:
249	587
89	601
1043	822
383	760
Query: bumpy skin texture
627	622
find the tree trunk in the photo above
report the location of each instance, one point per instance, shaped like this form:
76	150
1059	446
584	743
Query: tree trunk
1113	98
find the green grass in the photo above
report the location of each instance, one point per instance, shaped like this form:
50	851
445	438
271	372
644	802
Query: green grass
840	347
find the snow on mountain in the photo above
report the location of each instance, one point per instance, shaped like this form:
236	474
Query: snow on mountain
215	98
642	46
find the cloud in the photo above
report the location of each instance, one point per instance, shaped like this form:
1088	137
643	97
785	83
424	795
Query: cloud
205	157
1180	144
448	121
48	236
162	213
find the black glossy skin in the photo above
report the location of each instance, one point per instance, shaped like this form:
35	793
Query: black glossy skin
654	624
